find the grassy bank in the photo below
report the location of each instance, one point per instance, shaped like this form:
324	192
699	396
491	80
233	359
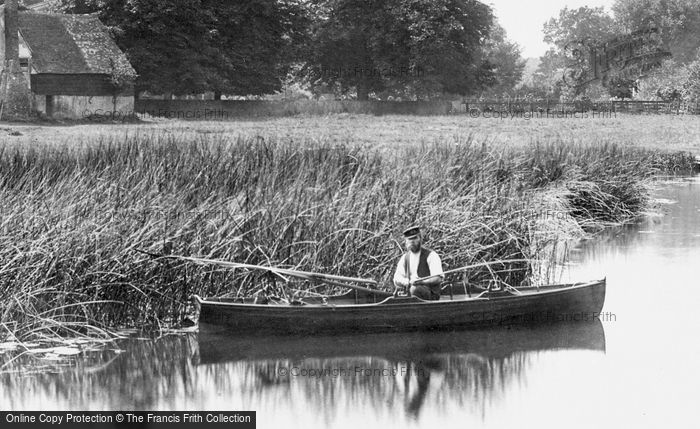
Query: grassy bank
73	215
662	132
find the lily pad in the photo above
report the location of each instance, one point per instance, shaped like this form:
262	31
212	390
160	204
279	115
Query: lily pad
66	351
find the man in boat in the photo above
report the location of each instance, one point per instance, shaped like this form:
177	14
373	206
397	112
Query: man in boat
416	263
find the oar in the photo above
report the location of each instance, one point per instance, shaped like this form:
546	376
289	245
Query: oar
360	288
327	278
469	267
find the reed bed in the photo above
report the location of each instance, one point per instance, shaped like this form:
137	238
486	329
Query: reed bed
74	214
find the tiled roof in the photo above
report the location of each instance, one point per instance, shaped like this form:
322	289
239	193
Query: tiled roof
72	44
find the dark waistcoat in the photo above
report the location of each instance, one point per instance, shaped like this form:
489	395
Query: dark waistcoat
423	268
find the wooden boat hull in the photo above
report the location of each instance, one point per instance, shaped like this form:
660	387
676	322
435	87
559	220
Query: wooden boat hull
555	303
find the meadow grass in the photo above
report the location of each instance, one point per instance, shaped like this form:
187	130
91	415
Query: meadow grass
73	215
662	132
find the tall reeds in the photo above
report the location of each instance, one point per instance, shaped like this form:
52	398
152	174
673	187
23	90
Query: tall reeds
72	216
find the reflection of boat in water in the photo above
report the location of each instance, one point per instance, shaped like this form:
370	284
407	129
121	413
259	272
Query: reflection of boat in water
386	369
492	342
370	312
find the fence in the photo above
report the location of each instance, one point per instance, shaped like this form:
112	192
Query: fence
548	106
674	107
231	109
551	106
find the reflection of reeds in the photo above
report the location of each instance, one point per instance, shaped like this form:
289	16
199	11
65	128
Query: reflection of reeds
131	374
72	215
469	379
470	369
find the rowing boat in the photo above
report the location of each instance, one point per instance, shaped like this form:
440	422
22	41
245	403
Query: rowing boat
374	311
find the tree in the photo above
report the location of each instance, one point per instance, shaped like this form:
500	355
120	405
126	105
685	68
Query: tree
547	78
504	56
664	83
573	32
417	48
678	25
678	22
192	46
349	44
584	23
673	81
691	87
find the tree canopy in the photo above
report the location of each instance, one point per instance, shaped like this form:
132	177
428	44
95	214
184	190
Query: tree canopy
406	47
505	58
192	46
657	27
573	29
678	22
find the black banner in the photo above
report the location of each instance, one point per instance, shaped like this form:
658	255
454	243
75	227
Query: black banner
126	419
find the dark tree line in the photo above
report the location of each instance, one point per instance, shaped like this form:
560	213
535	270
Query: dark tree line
191	46
408	48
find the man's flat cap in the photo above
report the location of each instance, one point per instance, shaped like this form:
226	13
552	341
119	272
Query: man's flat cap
411	231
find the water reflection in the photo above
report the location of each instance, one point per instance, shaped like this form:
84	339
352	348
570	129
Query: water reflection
129	374
398	375
671	234
652	273
408	372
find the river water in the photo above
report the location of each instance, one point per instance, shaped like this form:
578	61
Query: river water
636	367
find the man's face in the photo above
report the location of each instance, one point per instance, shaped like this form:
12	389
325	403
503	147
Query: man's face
413	243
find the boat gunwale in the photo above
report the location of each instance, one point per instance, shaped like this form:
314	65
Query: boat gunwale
549	290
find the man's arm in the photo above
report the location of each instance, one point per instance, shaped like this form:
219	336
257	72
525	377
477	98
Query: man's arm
400	279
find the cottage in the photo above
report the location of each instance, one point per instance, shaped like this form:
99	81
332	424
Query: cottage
72	67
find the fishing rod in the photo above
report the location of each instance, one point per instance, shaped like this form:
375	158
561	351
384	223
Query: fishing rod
306	275
469	267
311	276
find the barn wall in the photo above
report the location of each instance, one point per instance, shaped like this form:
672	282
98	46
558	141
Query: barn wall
85	107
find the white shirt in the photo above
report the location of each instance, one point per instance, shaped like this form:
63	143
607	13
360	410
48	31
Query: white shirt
434	263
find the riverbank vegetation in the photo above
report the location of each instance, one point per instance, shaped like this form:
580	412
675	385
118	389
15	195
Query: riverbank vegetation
73	215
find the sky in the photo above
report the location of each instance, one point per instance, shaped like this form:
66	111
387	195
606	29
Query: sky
523	19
